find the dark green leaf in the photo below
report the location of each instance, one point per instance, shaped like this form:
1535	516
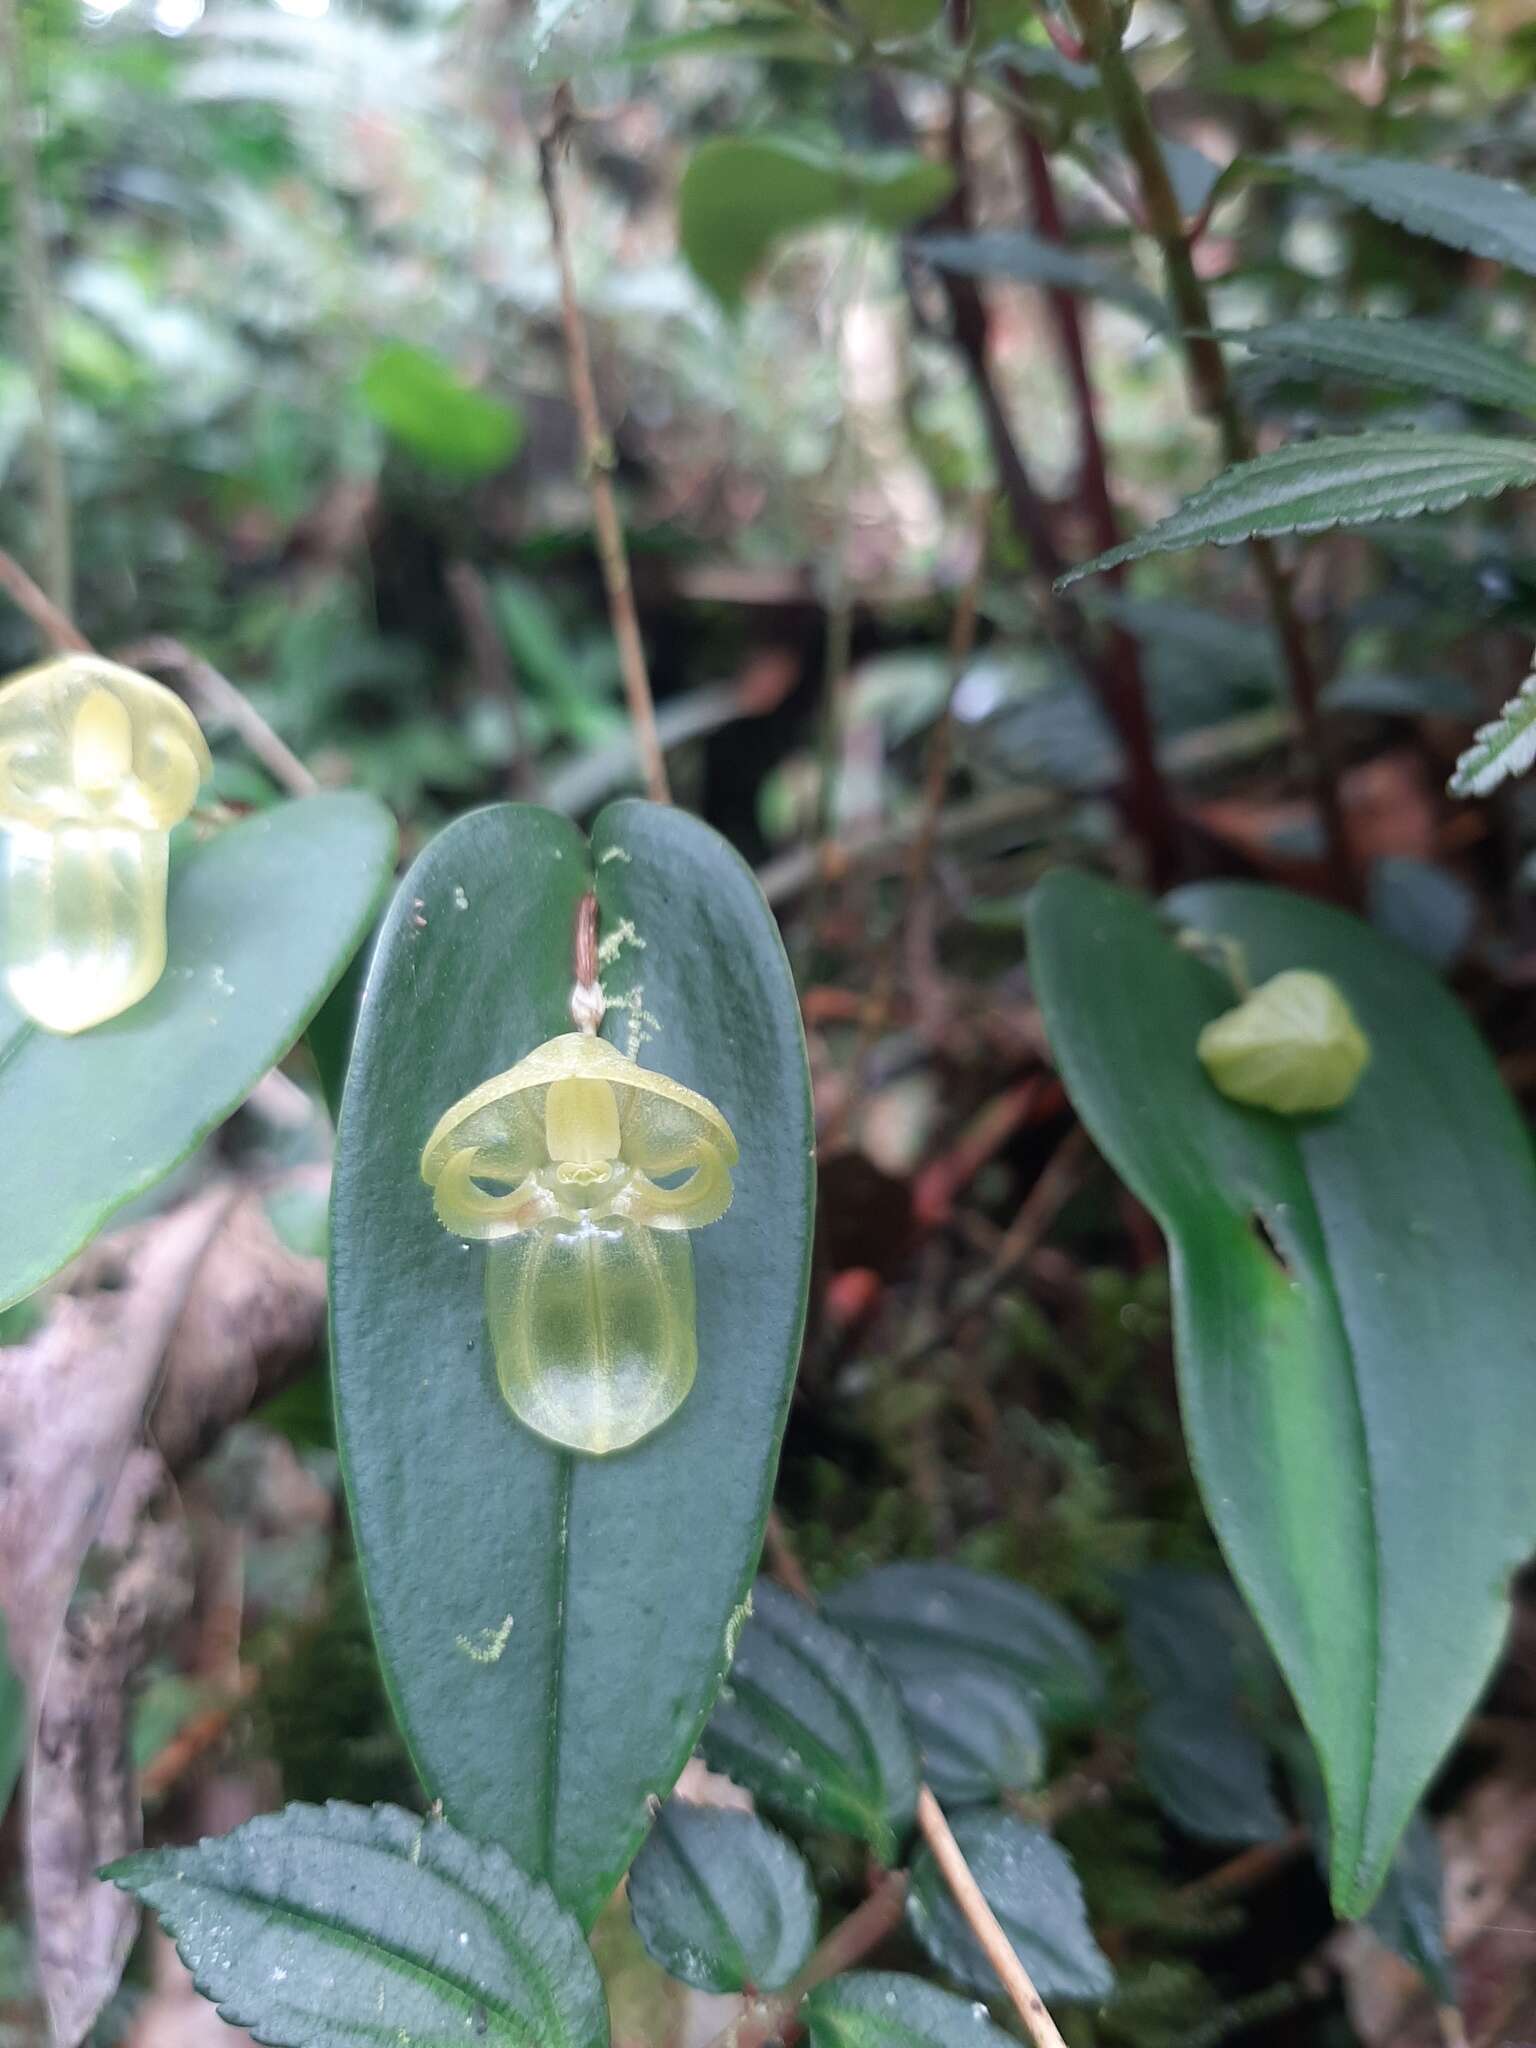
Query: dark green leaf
1422	905
1414	354
1483	215
810	1723
721	1900
739	194
1383	693
921	1617
977	1731
1352	1387
262	920
424	404
1028	259
1342	480
1409	1916
1207	1772
551	1645
1028	1881
886	2009
346	1926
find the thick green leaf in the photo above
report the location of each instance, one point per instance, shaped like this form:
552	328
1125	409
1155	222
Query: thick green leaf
887	2009
1353	1296
262	920
1415	354
739	194
1029	259
347	1926
1341	480
424	405
1029	1883
812	1725
551	1645
721	1900
977	1731
1485	216
925	1617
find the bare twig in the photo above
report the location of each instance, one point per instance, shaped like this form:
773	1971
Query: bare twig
56	627
983	1923
777	2020
220	696
36	297
1213	393
597	454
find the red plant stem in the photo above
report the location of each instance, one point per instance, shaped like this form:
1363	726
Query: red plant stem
1116	685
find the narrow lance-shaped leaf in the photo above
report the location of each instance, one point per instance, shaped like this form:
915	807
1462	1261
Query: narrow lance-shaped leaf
1416	355
1341	480
1355	1393
1485	216
341	1926
1505	746
262	920
551	1647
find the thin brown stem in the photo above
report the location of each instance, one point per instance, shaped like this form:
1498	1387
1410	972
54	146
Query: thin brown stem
1212	388
783	1560
35	295
983	1923
597	455
54	626
778	2020
217	694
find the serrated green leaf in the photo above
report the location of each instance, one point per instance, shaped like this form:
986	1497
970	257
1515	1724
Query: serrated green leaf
345	1926
1339	1347
1024	258
551	1646
740	194
721	1900
1505	746
1417	355
811	1725
977	1731
1341	480
426	406
920	1617
1485	216
261	921
1028	1881
887	2009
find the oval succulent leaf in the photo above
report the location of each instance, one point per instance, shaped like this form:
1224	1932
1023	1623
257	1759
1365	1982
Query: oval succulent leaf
1293	1046
1338	1347
262	920
721	1900
810	1723
552	1648
307	1925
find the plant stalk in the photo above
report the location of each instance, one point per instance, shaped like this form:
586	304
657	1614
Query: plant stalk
1212	388
597	454
35	296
